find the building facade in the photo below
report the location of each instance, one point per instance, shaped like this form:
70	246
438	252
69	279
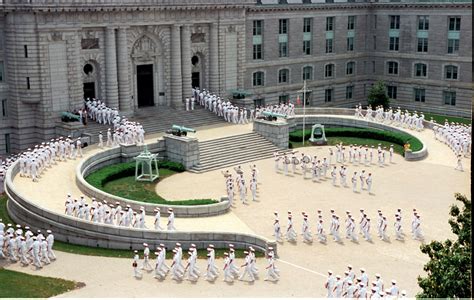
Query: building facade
140	53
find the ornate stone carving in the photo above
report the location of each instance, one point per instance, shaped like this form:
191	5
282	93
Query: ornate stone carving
198	38
144	48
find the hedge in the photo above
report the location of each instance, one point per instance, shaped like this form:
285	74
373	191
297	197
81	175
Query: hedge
100	177
376	134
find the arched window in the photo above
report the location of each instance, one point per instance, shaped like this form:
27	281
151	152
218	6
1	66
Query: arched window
329	71
420	70
284	76
258	79
308	73
451	72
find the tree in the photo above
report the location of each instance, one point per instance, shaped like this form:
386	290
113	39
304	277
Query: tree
378	95
449	268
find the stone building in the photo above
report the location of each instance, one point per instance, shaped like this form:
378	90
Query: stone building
140	53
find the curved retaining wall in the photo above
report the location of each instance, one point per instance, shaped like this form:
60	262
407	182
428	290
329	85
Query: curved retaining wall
342	111
297	121
116	155
80	232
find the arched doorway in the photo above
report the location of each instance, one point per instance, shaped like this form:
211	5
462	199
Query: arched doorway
90	75
197	70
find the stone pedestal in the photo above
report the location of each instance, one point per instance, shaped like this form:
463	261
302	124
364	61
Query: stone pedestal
74	129
182	149
276	132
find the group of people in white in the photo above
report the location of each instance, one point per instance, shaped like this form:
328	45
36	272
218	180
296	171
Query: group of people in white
319	169
396	118
35	161
21	244
335	226
99	112
110	214
352	286
233	113
240	183
191	271
457	137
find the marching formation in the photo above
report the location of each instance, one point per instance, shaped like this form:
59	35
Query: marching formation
457	137
101	113
241	185
350	227
21	244
398	118
351	286
179	271
110	214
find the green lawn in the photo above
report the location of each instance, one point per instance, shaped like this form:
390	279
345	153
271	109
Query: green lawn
332	141
95	251
119	180
20	285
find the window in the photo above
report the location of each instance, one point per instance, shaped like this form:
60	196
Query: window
329	71
350	68
25	48
258	102
349	92
375	42
375	22
453	46
308	73
27	83
393	45
392	91
283	99
350	44
7	143
257	27
451	72
419	95
394	22
329	46
422	45
257	51
283	76
423	22
258	79
1	71
329	23
351	22
283	49
328	95
283	28
449	98
392	68
4	108
307	47
454	23
373	66
307	24
420	70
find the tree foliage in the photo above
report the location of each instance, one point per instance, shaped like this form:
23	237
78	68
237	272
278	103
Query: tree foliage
378	95
449	268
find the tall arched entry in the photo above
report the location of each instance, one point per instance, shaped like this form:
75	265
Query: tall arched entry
197	70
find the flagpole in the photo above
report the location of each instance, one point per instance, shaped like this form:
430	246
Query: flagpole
304	107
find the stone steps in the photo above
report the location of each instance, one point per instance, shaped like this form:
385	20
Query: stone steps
232	151
161	118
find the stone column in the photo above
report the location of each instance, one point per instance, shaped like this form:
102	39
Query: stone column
111	85
176	76
213	58
186	60
125	99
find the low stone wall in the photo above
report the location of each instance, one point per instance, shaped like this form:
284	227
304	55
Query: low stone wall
76	231
358	123
117	155
276	132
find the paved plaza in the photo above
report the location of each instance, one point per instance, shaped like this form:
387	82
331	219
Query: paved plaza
427	185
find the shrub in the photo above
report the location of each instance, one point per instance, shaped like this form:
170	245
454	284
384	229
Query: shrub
378	95
376	134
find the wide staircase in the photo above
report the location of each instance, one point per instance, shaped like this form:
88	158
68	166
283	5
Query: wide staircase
159	119
233	150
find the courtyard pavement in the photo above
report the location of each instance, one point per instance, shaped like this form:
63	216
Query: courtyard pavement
426	185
